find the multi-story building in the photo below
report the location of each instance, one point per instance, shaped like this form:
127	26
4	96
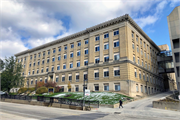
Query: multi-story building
174	33
116	55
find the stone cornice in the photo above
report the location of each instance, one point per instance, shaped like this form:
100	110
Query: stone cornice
123	18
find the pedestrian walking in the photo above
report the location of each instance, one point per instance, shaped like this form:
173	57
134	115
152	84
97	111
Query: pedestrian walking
120	103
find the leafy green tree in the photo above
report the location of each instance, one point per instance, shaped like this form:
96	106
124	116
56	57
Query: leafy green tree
1	64
11	74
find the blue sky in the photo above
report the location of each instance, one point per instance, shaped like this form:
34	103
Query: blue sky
27	24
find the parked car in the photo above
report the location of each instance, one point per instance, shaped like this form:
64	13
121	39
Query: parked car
1	93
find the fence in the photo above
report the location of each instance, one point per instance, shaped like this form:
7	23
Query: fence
73	102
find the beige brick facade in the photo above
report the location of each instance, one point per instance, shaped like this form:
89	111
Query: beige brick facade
122	32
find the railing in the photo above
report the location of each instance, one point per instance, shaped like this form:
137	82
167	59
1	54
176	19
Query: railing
73	102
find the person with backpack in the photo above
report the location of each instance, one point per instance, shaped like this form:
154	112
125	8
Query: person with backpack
120	103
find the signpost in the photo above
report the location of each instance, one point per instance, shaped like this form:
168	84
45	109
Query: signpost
87	92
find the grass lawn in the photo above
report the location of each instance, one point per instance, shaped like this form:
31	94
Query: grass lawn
102	97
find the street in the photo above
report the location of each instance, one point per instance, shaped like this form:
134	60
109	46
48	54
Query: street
141	109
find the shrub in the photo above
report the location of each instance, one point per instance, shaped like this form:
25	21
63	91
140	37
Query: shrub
50	84
22	90
41	90
57	89
40	84
31	89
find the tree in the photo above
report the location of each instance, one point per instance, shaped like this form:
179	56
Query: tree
50	84
40	84
1	64
11	74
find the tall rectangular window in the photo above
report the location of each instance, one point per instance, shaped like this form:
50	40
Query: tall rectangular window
116	56
85	62
59	49
47	60
117	87
137	89
86	42
138	61
71	65
42	61
70	77
57	78
34	64
116	32
47	69
77	77
132	35
79	44
106	72
78	53
116	71
52	68
106	87
96	48
63	78
96	59
135	72
142	63
38	62
41	70
97	38
106	58
106	35
136	38
71	54
54	50
134	60
58	67
137	48
106	46
64	66
96	74
33	72
45	81
86	51
78	63
59	57
39	54
72	45
65	56
141	88
139	74
37	71
133	46
48	52
65	47
85	75
144	76
53	59
76	88
116	43
96	87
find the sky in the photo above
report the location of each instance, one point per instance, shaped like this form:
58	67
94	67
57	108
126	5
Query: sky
25	24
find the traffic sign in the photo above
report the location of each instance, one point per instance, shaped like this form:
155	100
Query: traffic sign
87	92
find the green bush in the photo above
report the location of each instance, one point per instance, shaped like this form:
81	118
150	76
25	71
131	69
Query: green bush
32	89
41	90
22	90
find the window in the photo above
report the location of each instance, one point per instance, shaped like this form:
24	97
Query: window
96	74
106	87
24	66
117	87
58	67
138	61
38	62
86	51
31	57
145	54
85	75
144	76
63	78
77	77
64	66
134	60
116	32
72	45
59	57
33	72
34	57
148	56
97	38
85	62
30	65
141	52
43	53
137	89
25	59
79	44
47	69
106	72
65	56
137	38
48	52
76	88
59	49
96	48
53	59
140	41
29	73
70	77
42	61
78	63
116	56
57	78
34	64
139	74
141	88
45	81
96	87
52	68
144	45
116	43
86	42
147	77
146	64
54	50
106	58
137	48
150	79
41	70
142	63
96	59
106	35
37	71
65	47
116	71
106	46
71	54
135	72
39	54
132	34
48	60
31	82
71	65
133	46
78	53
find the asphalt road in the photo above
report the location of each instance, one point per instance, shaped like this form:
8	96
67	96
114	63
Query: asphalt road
137	110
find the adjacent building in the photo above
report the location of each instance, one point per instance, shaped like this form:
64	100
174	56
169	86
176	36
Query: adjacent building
174	33
115	56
